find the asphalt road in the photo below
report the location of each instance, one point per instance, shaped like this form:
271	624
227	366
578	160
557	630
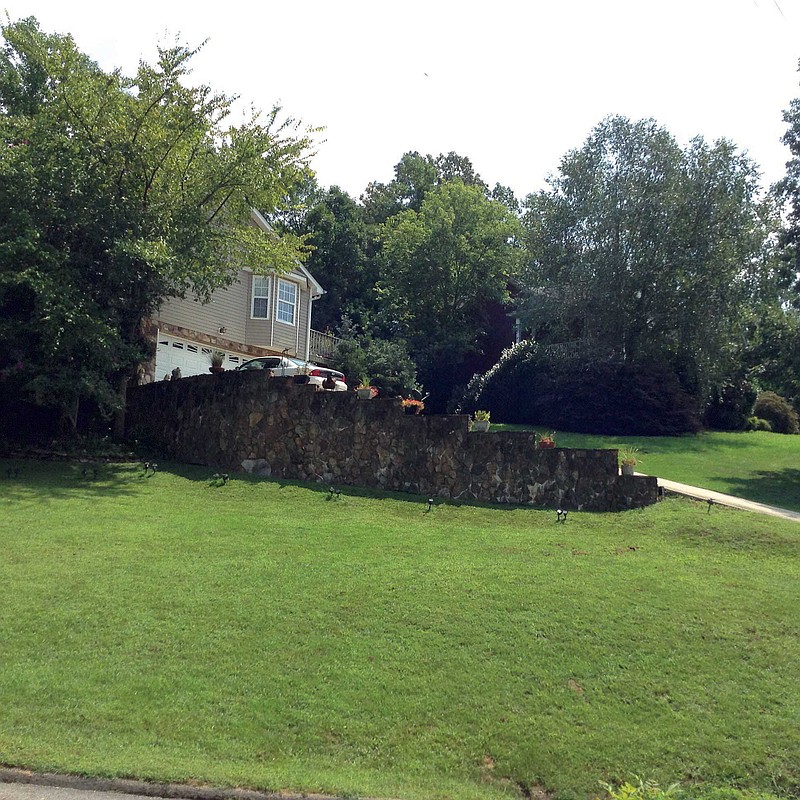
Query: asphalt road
18	784
28	791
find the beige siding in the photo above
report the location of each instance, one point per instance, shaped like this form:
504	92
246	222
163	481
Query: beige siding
229	308
278	335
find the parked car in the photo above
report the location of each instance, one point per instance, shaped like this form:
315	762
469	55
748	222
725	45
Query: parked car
281	366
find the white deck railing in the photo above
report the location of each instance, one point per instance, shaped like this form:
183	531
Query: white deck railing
322	346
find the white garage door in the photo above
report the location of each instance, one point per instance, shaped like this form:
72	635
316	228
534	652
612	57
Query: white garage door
190	357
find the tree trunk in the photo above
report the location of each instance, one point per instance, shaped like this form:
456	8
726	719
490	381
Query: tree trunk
119	414
68	424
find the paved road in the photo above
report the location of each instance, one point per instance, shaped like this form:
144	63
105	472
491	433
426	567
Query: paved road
29	791
16	784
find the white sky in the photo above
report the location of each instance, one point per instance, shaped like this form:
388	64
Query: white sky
512	84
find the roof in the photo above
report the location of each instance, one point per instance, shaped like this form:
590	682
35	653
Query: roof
316	289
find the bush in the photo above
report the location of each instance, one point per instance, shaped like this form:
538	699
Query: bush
532	385
777	411
729	405
639	789
758	424
387	364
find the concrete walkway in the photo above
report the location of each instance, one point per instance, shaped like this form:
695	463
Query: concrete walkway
727	500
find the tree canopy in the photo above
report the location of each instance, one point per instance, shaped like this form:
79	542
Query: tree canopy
116	193
646	249
441	265
338	235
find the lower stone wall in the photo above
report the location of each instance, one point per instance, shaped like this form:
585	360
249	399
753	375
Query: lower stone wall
275	427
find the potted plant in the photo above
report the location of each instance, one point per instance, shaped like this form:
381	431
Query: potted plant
628	459
547	442
364	389
480	420
217	359
412	406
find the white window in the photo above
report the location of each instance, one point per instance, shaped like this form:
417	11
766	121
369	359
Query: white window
260	296
287	302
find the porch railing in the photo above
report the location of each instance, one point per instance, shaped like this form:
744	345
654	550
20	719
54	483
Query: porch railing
322	346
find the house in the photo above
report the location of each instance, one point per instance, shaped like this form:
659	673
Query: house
258	314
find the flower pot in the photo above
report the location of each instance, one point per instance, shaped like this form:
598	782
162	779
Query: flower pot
365	393
627	469
546	445
480	425
216	370
412	411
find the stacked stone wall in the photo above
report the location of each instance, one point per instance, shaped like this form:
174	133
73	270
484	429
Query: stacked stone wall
275	427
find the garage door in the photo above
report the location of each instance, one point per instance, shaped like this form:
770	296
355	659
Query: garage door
190	357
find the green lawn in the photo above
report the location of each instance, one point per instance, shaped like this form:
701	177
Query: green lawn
261	634
759	466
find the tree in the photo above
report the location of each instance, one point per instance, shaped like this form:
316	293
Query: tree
453	167
116	193
336	230
414	176
648	250
772	353
788	190
440	266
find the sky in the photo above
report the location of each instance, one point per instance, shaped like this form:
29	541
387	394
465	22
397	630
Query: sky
511	84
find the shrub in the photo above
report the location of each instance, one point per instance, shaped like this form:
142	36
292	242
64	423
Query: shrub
584	394
639	790
392	370
777	411
758	424
729	405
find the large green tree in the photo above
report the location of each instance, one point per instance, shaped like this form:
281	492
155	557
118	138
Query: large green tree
414	176
116	193
647	250
788	190
337	232
440	266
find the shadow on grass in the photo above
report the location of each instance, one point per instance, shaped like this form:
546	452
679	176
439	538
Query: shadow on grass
58	479
774	487
55	480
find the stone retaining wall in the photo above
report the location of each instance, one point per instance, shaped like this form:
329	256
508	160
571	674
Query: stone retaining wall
272	426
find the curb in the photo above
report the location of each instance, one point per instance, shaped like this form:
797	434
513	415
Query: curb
161	790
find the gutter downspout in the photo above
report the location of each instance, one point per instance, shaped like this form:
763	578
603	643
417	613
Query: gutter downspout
297	328
273	290
311	299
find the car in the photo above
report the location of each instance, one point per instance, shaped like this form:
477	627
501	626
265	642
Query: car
281	366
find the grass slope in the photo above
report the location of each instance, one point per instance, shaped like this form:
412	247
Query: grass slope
760	466
260	634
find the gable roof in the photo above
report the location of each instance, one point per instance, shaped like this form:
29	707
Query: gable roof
316	289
